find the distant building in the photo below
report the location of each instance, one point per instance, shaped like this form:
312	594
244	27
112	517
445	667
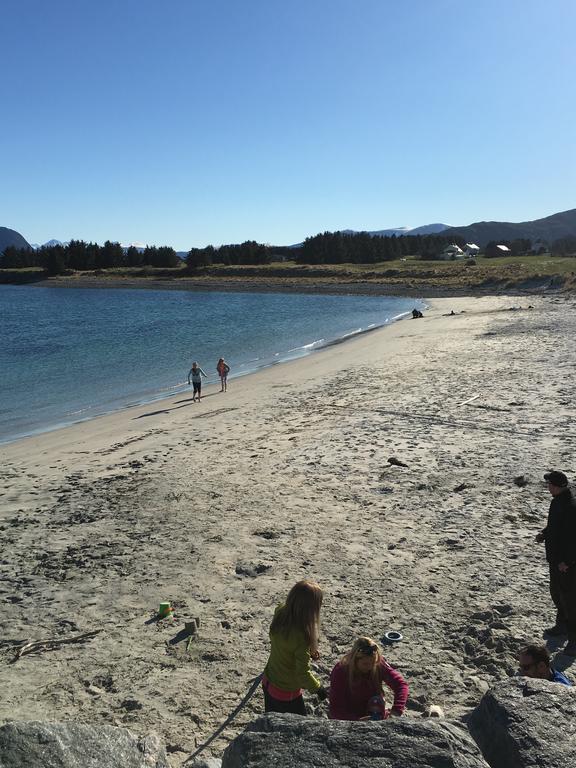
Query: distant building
503	249
452	252
471	249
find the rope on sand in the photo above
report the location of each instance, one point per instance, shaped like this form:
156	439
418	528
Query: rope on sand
251	691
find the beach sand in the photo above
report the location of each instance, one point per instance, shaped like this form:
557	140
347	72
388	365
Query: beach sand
221	506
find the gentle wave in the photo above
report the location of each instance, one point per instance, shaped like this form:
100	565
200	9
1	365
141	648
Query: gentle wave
112	349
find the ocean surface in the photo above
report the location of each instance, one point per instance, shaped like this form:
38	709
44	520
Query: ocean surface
68	354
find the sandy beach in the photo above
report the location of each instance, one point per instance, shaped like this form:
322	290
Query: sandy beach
221	506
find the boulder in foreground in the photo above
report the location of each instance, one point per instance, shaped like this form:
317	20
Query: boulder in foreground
70	745
524	723
290	741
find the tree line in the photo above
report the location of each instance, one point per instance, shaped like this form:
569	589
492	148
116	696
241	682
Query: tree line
363	248
79	255
324	248
564	246
249	252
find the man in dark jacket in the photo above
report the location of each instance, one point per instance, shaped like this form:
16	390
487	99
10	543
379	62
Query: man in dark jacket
559	537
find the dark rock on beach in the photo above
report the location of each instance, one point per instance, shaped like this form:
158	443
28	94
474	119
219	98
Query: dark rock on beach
524	723
251	569
287	741
70	745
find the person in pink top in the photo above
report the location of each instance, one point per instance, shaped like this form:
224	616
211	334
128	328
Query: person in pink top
357	680
223	370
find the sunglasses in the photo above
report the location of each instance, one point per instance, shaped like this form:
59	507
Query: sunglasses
367	649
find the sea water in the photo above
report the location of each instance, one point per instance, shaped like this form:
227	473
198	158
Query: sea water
68	354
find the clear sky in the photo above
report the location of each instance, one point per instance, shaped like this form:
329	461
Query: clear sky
188	122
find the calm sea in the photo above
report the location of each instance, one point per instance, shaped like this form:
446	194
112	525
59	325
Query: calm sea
68	354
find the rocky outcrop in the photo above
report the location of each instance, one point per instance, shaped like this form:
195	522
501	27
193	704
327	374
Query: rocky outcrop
520	723
524	723
289	741
70	745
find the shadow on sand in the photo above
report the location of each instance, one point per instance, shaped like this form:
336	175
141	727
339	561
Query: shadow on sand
177	404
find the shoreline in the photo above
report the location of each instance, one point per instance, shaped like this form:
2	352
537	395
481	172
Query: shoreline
180	390
110	422
305	285
221	506
162	402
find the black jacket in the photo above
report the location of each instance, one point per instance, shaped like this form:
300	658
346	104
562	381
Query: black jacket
560	531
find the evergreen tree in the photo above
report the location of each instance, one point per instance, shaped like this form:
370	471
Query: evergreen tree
134	257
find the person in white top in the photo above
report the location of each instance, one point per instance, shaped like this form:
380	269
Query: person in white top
195	375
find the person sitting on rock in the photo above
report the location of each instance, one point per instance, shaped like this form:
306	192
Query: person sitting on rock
534	661
294	642
358	678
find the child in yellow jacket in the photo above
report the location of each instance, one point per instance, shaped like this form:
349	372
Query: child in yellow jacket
294	643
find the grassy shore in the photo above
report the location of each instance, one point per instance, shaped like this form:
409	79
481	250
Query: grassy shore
408	276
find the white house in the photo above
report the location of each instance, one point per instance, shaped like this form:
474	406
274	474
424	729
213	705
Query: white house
452	252
503	250
471	249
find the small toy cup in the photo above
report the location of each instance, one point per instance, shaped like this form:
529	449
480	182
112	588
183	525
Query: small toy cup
376	708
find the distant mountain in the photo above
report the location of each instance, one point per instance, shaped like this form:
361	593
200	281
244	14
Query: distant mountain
425	229
48	244
548	229
11	237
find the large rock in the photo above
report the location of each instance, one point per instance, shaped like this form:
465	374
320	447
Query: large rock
290	741
524	723
69	745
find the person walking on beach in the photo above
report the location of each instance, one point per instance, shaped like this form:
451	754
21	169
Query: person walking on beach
559	537
356	684
223	370
294	642
534	661
195	375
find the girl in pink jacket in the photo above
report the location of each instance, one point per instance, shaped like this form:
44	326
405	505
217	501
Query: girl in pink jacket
358	678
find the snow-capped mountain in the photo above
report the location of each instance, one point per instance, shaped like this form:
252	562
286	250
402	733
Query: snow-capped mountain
48	244
425	229
140	247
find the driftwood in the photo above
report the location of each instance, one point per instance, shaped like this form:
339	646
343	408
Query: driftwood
34	646
474	397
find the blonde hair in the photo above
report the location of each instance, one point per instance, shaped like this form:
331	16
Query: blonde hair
363	647
301	612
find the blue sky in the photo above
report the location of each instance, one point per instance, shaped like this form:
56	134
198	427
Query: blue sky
214	121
